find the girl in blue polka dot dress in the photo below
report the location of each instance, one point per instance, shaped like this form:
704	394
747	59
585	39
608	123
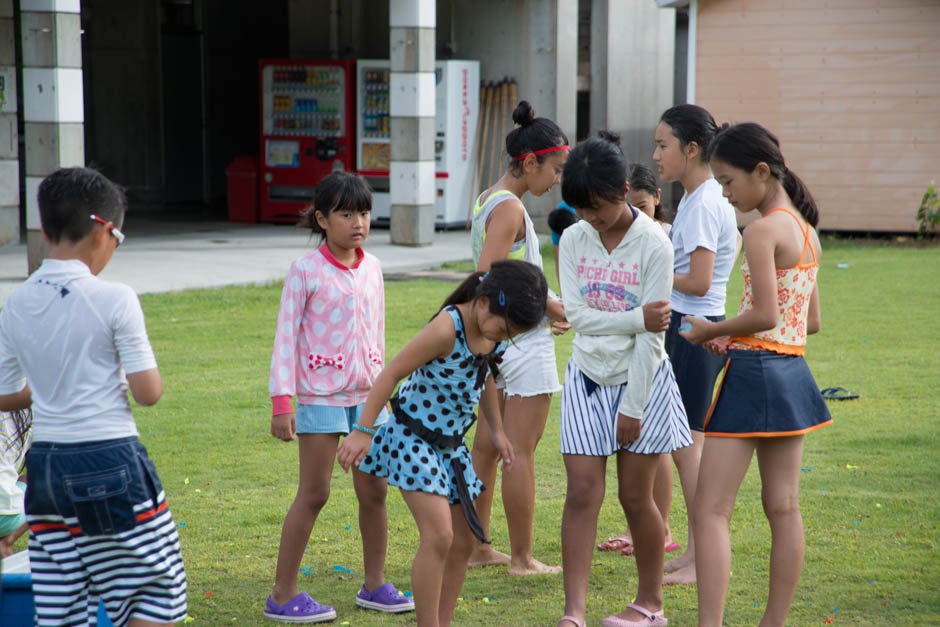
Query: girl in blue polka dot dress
421	449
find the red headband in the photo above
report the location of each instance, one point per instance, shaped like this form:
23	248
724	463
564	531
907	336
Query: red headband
540	152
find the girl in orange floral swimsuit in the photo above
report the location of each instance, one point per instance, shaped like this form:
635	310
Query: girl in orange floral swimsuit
767	399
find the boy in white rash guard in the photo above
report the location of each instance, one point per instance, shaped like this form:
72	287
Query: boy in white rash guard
70	346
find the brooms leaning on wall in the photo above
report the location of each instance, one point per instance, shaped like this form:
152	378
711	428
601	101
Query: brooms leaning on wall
497	101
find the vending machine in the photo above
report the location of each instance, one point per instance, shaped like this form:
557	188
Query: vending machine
307	131
457	110
372	132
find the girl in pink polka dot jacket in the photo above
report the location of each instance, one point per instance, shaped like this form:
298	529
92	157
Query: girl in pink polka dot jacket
328	350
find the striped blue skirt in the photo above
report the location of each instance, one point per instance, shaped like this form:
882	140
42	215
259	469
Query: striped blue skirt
589	416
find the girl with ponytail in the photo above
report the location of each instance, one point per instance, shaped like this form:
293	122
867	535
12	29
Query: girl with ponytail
502	229
767	399
421	449
704	239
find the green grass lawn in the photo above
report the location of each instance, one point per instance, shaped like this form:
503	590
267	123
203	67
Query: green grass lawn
868	499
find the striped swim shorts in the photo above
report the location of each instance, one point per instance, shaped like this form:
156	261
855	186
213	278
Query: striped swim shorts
100	528
589	416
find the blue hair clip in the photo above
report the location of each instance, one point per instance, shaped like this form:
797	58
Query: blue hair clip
502	299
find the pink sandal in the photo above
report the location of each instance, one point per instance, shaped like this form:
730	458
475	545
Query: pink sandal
618	543
570	619
650	619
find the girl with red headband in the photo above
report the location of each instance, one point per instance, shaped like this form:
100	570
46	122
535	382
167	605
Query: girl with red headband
502	229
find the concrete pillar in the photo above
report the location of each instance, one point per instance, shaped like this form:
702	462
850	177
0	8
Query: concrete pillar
632	58
9	136
411	109
53	101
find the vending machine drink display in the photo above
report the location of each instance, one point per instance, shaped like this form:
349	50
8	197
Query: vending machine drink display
457	109
372	132
306	131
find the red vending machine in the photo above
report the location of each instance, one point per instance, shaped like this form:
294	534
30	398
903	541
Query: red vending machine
307	131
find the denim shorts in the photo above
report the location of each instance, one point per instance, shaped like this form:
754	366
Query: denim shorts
86	500
332	419
98	483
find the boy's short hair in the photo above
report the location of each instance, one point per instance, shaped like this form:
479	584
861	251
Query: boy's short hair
67	198
560	219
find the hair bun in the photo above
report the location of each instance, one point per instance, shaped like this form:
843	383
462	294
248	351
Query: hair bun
724	126
524	114
609	136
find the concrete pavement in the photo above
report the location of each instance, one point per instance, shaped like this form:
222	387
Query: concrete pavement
170	256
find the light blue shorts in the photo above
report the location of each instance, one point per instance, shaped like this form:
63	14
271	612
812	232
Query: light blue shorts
11	522
331	419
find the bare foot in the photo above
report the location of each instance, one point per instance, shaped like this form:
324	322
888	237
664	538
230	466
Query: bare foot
678	563
684	575
488	556
533	567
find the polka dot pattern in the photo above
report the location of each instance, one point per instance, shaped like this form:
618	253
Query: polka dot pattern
408	461
330	311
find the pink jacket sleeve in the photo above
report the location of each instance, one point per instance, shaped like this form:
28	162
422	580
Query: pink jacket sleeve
282	382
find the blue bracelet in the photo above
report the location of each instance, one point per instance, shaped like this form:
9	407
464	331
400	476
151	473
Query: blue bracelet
364	429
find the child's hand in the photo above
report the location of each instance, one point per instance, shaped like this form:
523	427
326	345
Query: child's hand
628	430
560	327
284	427
656	316
353	449
503	448
695	329
717	346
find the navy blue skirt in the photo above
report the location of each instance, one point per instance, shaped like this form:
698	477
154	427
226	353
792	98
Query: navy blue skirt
766	394
696	371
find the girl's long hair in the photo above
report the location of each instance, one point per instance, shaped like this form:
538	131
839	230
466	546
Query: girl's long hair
22	420
744	145
516	291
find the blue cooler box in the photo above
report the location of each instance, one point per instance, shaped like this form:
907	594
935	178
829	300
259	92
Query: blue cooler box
16	595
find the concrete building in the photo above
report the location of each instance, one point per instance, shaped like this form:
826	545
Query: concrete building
168	89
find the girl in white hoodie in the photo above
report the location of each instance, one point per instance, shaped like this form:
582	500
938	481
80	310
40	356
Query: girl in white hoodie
620	396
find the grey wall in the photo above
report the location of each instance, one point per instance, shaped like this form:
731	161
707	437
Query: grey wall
632	65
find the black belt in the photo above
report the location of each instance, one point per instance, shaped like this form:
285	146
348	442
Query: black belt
435	437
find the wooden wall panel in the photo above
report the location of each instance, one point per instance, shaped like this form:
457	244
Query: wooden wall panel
850	87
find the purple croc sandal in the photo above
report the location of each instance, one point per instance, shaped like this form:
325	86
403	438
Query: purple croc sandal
385	598
301	609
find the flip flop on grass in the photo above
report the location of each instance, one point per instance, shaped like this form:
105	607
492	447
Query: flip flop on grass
618	543
837	394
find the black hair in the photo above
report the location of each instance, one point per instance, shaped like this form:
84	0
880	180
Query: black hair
532	134
560	219
691	123
596	169
338	191
70	196
516	289
22	420
745	145
643	179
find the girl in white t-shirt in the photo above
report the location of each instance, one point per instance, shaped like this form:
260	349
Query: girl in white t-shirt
620	398
704	241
